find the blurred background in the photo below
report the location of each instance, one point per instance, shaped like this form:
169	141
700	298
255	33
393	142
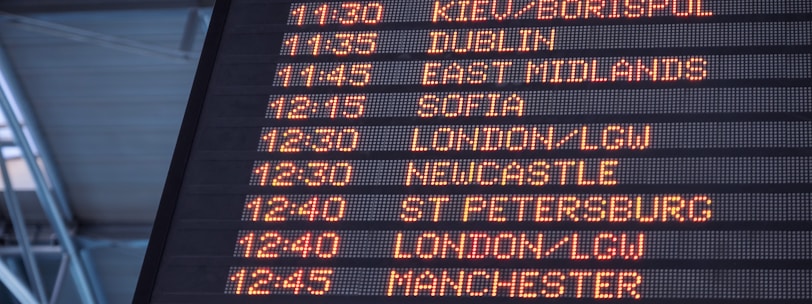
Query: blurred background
93	93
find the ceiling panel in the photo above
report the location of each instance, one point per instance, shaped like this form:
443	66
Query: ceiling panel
26	6
109	116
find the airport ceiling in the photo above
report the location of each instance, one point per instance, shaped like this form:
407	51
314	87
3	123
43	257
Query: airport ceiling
108	82
41	6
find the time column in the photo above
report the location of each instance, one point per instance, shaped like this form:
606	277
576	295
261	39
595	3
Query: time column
305	134
343	43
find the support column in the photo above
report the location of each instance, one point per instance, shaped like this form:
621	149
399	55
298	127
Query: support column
46	198
21	232
17	288
12	91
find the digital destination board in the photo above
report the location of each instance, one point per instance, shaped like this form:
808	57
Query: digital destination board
493	151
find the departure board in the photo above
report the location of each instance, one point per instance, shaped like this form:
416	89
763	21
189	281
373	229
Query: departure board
493	151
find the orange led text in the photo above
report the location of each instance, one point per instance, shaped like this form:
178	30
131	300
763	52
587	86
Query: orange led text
606	284
491	173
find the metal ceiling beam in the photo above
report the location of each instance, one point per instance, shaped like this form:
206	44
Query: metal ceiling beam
17	288
190	30
60	279
11	89
110	41
36	249
47	199
88	261
44	6
20	230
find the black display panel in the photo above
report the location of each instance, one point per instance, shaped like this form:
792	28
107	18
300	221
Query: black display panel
493	151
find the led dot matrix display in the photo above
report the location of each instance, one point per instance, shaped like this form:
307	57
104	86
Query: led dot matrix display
493	151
